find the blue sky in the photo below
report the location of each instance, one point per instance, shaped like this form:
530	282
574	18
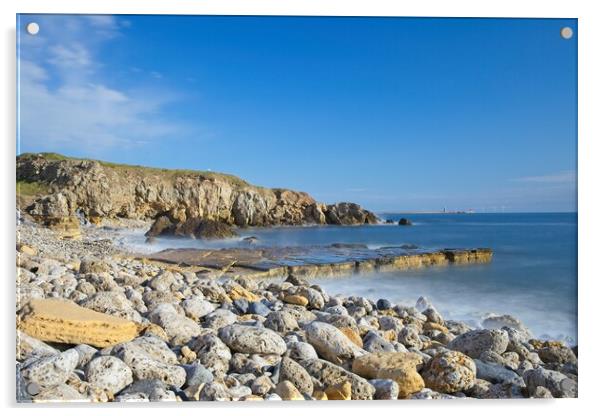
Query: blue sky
392	113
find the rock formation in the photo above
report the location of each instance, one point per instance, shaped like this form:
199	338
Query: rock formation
97	189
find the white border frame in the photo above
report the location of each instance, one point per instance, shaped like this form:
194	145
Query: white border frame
590	209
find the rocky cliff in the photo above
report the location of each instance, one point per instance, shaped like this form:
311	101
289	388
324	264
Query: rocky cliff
97	190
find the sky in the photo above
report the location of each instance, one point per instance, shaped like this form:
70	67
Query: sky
397	114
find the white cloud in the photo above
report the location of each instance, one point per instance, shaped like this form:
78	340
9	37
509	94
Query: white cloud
66	104
73	57
568	176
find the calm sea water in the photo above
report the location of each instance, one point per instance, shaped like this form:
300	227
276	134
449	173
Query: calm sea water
533	275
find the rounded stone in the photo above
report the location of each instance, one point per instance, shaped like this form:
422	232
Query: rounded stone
450	372
109	373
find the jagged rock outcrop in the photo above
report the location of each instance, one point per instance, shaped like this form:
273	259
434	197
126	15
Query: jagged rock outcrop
97	189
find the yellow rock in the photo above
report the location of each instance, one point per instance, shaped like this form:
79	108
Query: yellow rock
341	391
95	220
287	391
353	336
319	395
252	398
240	292
187	354
295	300
398	366
431	326
63	321
390	335
25	249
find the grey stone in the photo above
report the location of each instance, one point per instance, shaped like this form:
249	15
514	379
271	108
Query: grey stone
86	353
219	319
212	353
197	308
300	351
375	343
331	343
179	329
281	321
385	389
53	370
291	370
557	383
146	366
251	340
497	374
109	373
383	304
60	393
197	374
474	343
258	308
330	374
154	390
29	347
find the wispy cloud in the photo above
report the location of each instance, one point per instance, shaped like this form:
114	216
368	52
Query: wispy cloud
66	101
568	176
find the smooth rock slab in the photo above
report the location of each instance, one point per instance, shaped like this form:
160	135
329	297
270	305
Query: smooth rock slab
252	340
63	321
109	373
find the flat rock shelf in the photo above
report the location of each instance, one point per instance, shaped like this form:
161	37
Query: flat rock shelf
318	261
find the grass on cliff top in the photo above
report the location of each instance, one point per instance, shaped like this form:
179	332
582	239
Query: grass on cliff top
235	180
25	188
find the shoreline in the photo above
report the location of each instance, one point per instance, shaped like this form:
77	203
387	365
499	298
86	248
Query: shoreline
207	322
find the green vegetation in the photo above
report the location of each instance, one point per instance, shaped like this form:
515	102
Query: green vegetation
235	180
25	188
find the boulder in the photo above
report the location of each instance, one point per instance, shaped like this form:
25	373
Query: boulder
404	221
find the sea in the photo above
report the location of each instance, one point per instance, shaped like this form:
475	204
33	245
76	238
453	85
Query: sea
533	275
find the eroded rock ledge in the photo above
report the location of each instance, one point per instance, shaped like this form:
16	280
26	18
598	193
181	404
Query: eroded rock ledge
98	190
318	261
